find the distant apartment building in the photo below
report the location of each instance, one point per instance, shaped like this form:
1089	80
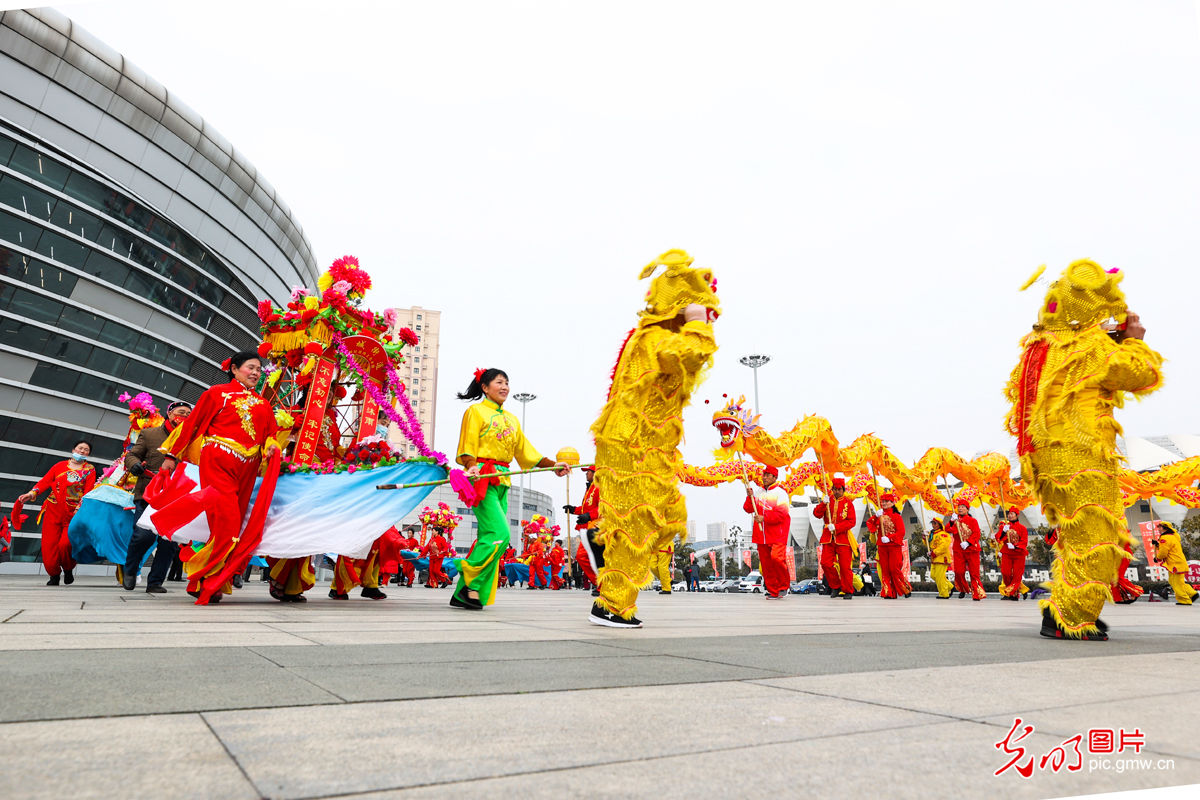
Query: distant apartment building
717	531
419	372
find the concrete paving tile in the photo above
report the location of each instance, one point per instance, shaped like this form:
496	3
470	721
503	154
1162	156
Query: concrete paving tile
401	635
158	756
432	653
147	641
466	738
981	691
404	681
69	684
1165	730
950	760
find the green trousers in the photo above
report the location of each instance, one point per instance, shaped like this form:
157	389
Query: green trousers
479	571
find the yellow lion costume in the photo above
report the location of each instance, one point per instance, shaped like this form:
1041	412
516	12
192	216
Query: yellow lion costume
1070	377
638	430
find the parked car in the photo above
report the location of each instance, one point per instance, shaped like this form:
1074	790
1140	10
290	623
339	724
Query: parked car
807	586
707	586
752	583
679	586
727	585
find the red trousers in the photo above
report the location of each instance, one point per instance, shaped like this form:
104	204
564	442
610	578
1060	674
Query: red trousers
436	575
1012	569
233	479
537	571
772	563
968	561
406	569
893	582
836	563
56	545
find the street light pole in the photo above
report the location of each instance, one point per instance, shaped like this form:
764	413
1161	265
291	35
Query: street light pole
524	398
754	361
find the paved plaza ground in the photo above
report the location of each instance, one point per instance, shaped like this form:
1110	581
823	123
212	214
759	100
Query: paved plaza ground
107	693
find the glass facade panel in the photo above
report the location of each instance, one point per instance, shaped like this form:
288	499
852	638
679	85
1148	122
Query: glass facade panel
19	231
35	306
24	335
26	462
52	376
41	168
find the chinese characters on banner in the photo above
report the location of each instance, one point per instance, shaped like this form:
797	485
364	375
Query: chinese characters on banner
1149	532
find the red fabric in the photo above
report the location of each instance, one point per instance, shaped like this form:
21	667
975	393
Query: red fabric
215	415
585	563
436	549
251	535
1052	537
1032	362
228	482
843	522
1125	590
966	560
18	519
774	528
67	487
488	476
772	563
56	546
5	536
1012	569
590	505
893	580
1013	533
837	564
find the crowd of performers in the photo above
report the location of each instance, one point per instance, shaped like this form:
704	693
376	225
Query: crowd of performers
1083	357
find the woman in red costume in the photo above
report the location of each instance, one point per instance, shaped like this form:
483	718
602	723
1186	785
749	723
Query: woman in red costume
228	433
965	531
68	481
1014	547
890	543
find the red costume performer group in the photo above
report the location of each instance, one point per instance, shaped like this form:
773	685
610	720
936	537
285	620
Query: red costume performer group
836	554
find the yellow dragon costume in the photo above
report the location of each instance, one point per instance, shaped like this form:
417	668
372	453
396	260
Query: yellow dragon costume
639	428
1070	377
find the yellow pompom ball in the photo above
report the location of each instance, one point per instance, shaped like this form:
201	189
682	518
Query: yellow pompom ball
568	455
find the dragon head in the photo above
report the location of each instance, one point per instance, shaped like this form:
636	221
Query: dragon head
677	288
734	421
1083	297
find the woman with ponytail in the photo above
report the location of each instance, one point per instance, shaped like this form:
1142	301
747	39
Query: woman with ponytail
227	435
487	444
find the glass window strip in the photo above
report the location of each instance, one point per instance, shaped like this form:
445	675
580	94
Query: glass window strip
95	253
219	270
143	358
70	306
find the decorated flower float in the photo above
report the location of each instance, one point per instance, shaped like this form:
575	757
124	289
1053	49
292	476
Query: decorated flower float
329	371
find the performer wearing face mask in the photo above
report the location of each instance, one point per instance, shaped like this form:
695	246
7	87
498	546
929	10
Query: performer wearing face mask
68	481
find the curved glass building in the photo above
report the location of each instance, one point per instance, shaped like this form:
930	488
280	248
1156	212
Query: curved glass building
135	242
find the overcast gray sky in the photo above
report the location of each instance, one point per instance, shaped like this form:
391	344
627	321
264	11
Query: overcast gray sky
870	181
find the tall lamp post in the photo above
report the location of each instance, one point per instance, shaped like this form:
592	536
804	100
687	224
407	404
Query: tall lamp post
524	398
754	361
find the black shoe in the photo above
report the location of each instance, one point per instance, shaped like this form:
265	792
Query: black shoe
333	594
961	595
847	595
664	591
155	589
194	594
907	595
595	592
129	580
216	598
939	597
466	602
68	577
237	581
610	620
373	593
295	598
53	581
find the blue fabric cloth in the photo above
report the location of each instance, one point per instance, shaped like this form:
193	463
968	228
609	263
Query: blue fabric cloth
101	528
421	564
516	572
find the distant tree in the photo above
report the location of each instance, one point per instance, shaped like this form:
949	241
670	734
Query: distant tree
1039	552
1189	535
